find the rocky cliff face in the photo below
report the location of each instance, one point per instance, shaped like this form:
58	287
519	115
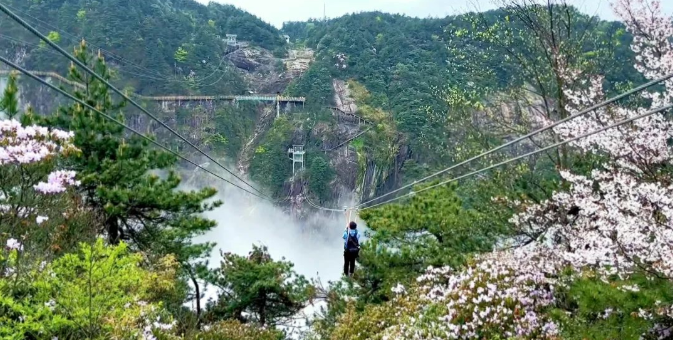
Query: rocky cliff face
267	74
342	97
298	61
265	120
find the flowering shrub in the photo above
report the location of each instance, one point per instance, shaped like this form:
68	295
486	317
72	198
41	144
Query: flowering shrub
340	61
57	182
617	221
30	208
491	298
621	215
486	300
31	144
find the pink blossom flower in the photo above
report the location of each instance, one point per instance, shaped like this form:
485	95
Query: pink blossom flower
58	181
31	144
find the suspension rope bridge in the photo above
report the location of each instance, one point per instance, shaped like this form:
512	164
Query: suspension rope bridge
108	117
177	98
76	61
361	206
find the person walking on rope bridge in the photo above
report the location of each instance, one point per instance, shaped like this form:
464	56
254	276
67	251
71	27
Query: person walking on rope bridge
351	248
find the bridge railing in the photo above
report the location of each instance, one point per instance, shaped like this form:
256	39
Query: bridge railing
261	97
48	75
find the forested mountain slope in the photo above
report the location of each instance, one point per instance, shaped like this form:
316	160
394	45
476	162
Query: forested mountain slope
103	237
412	78
406	63
159	46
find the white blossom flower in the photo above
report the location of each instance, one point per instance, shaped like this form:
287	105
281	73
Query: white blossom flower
41	219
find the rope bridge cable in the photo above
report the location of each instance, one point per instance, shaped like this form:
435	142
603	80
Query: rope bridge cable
23	42
620	123
530	134
77	100
149	75
350	139
322	208
74	38
30	28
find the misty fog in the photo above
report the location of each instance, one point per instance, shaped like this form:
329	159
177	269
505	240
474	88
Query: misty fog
313	243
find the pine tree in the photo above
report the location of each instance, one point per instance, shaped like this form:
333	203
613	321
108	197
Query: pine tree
266	290
117	180
435	228
9	104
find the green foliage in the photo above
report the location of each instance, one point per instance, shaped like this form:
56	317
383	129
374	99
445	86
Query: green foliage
424	72
393	56
368	324
53	36
268	290
585	301
315	85
147	34
9	104
100	292
383	143
320	174
433	229
181	55
236	124
235	330
115	174
270	165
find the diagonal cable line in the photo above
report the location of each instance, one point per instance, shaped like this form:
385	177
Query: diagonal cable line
322	208
30	28
26	43
81	102
620	123
74	38
150	74
548	127
350	139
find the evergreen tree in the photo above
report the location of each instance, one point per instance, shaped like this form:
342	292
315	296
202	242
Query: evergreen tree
433	229
117	180
257	285
9	104
320	174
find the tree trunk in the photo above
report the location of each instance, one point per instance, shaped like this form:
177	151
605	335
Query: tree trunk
112	225
262	312
198	297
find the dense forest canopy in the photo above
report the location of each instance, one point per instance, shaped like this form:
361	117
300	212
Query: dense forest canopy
411	66
156	44
104	236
